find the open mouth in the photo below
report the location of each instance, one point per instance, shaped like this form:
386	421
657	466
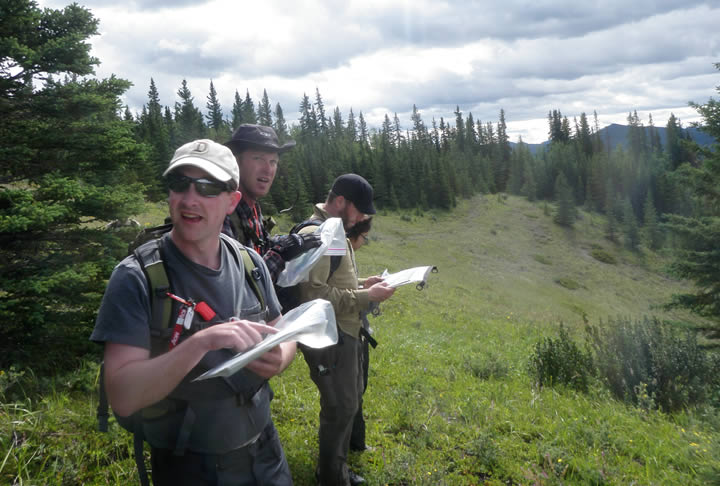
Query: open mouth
190	217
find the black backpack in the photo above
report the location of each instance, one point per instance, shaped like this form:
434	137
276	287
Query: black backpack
289	297
147	248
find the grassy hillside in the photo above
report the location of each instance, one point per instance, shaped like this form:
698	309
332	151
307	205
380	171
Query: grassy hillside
450	401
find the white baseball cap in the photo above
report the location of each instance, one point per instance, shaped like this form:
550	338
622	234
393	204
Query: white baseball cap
214	158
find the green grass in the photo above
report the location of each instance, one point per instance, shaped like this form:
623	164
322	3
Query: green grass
450	401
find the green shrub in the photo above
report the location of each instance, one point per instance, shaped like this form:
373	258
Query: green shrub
561	361
654	365
603	256
486	367
568	283
542	259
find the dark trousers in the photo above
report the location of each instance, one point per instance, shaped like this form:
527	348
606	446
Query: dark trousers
260	463
357	437
335	370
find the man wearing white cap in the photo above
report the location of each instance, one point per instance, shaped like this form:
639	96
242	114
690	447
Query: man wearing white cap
216	431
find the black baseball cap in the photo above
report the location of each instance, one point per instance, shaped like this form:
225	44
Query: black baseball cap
260	137
357	190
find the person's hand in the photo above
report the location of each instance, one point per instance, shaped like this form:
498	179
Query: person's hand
268	364
237	335
370	281
380	291
293	245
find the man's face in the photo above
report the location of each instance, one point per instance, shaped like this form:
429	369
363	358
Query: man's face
197	218
257	172
350	215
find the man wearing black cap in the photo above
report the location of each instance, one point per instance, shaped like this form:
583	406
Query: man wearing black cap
336	369
257	150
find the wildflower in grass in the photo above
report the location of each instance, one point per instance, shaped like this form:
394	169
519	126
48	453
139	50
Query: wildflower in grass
693	444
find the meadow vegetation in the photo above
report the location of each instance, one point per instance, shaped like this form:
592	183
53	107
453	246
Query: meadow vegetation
466	385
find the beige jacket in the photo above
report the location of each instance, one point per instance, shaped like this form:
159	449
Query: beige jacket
341	289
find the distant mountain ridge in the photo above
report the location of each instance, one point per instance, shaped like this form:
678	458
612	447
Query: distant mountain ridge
615	134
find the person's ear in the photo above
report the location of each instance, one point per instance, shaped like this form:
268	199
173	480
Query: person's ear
234	200
341	202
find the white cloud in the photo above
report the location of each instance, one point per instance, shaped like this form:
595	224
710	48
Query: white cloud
381	57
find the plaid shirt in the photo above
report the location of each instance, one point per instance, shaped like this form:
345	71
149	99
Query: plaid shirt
250	227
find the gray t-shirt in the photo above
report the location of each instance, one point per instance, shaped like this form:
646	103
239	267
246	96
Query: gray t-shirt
124	315
221	422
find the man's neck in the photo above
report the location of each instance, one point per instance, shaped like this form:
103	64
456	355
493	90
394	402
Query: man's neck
249	200
330	209
205	253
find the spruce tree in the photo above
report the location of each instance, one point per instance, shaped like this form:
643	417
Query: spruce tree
70	163
248	109
188	119
651	228
698	257
529	188
351	128
565	212
631	232
214	115
237	111
265	111
321	119
280	124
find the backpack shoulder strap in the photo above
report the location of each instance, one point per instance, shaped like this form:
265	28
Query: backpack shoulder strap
253	274
150	255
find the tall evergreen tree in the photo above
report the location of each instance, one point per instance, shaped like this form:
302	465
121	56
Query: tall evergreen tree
214	115
237	111
655	144
280	124
322	122
364	134
69	163
459	129
307	118
351	130
699	258
248	109
631	231
155	133
502	167
265	111
584	137
188	119
651	228
565	212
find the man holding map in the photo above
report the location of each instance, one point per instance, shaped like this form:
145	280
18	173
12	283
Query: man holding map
335	370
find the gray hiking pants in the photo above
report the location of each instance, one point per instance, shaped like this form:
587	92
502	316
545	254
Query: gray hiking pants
336	372
260	463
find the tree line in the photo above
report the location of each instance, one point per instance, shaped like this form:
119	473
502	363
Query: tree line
73	158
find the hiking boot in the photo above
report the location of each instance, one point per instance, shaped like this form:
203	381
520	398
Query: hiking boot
355	478
364	448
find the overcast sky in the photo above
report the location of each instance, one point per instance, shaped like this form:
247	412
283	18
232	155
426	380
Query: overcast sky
381	57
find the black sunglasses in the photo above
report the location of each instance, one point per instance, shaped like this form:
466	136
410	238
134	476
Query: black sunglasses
204	187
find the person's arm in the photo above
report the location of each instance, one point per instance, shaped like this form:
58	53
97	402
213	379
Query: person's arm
133	380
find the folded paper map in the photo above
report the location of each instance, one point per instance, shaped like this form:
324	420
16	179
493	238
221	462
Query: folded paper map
411	275
312	323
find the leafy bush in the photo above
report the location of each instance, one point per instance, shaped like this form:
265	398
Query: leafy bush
561	361
654	365
568	283
486	367
603	256
542	259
